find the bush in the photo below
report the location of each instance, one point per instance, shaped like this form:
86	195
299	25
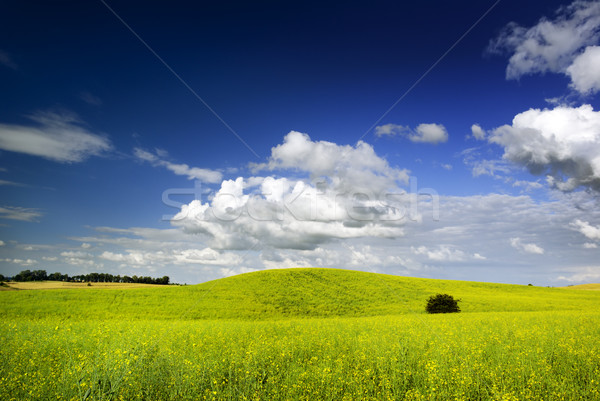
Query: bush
442	303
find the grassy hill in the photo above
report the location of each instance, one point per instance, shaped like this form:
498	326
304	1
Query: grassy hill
277	294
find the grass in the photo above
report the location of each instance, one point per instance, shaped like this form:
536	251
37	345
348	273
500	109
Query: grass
300	334
55	285
592	287
289	293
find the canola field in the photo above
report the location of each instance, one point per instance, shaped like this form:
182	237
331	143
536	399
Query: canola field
526	353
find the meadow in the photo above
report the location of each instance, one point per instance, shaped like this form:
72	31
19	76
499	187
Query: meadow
300	334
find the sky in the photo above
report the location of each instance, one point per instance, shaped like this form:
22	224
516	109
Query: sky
450	140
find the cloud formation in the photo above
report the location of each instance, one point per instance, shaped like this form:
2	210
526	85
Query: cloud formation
20	262
429	133
424	133
58	137
562	143
445	253
586	229
341	192
188	257
192	173
477	132
19	213
532	248
585	71
552	44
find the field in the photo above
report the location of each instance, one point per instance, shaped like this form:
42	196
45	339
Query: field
55	285
307	334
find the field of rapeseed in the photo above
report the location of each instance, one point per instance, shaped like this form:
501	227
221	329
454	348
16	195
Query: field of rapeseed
518	355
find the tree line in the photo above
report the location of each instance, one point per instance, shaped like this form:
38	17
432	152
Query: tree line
41	275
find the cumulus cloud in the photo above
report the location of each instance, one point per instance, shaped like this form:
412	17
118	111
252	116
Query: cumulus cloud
563	143
58	137
585	71
464	239
350	192
2	243
552	44
424	133
586	274
80	259
532	248
192	173
189	257
527	185
20	262
349	167
445	253
585	228
391	130
429	133
477	132
19	213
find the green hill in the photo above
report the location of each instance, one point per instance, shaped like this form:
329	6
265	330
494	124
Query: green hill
277	294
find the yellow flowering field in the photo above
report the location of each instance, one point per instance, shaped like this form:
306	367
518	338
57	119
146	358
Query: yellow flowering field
485	355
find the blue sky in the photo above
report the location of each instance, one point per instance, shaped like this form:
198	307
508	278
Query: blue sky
446	140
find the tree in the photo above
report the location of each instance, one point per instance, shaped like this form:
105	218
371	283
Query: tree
442	303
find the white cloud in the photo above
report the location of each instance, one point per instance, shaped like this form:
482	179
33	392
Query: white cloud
424	133
19	213
49	258
586	229
477	132
7	61
348	167
550	45
192	173
589	245
489	167
532	248
447	166
391	130
344	198
429	133
58	137
471	240
20	262
563	143
85	245
11	183
585	71
587	274
2	243
190	257
80	259
527	185
445	253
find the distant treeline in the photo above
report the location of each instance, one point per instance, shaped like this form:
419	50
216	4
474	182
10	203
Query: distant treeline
41	275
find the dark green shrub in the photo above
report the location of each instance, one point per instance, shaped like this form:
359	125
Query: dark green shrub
442	303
